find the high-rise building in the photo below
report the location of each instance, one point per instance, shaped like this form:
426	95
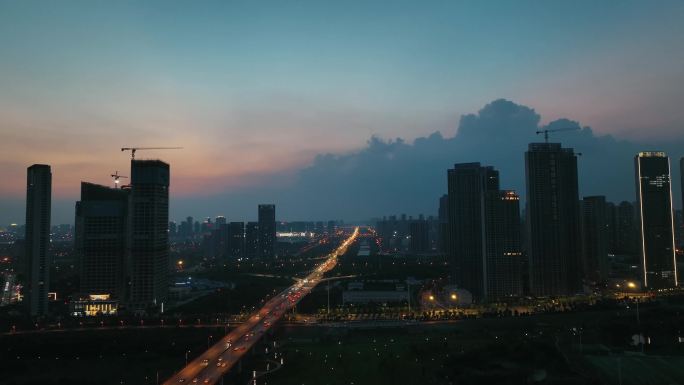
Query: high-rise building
443	224
484	232
38	206
101	241
611	226
419	236
679	228
207	226
267	231
681	178
173	229
595	238
627	233
552	210
220	220
252	240
467	184
190	223
149	238
654	197
503	247
235	241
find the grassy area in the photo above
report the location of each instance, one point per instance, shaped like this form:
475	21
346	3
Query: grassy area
98	357
476	352
636	369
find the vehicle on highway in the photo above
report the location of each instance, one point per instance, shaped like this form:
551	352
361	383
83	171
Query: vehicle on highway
205	362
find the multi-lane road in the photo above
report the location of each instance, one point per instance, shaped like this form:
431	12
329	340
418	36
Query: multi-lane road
214	363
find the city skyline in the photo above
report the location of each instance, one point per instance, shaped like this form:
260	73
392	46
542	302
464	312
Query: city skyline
497	134
255	93
366	192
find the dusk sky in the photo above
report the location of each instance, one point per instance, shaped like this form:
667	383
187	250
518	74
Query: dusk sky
254	91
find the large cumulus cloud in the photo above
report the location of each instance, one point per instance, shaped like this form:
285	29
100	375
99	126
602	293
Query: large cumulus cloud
393	176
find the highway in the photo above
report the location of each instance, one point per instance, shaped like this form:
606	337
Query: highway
214	363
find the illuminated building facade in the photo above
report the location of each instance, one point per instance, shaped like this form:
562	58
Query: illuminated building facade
553	225
38	206
656	223
94	305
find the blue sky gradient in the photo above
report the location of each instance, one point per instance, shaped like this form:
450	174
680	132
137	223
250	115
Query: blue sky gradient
255	90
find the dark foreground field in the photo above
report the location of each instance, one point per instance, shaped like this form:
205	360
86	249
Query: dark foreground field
591	347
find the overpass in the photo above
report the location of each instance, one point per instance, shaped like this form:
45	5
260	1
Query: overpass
220	358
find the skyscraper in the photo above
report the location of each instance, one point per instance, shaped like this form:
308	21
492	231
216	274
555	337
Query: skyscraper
467	184
553	220
191	226
149	238
654	197
252	240
627	233
101	241
681	178
443	224
484	232
419	236
595	237
236	240
220	220
38	206
173	229
503	248
267	231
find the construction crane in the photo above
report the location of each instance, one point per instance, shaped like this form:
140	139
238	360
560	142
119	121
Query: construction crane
546	132
134	149
116	177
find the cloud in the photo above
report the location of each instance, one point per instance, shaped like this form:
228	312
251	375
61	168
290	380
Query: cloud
394	176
